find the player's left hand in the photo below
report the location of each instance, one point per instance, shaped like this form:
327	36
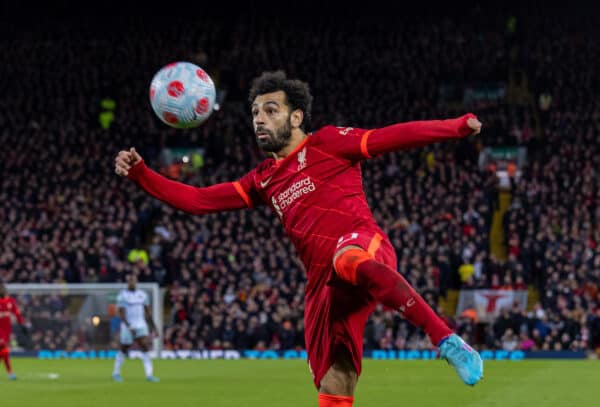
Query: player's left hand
474	125
125	160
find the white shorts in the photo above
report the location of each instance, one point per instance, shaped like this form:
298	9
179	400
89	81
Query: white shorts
128	335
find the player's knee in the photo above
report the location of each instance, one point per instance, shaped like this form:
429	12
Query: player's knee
340	383
143	344
347	260
340	379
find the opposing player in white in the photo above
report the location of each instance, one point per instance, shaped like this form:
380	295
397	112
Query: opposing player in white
134	311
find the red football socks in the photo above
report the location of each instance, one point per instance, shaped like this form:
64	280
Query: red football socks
5	356
392	290
329	400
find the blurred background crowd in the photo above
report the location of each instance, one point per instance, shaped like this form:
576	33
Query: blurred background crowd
233	280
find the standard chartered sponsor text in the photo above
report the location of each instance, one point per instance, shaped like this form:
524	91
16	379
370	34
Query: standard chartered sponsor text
299	188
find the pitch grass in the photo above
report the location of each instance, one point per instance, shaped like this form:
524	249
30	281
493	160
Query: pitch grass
254	383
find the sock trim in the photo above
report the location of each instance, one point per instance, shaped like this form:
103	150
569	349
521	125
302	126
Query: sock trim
334	398
345	264
444	339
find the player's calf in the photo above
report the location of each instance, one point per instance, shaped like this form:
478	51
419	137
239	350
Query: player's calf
358	267
5	357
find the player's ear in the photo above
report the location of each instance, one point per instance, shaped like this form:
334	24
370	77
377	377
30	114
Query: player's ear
296	118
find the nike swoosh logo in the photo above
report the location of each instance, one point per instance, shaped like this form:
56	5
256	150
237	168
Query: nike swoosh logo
265	182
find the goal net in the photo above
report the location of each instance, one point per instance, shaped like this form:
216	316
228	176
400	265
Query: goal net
76	317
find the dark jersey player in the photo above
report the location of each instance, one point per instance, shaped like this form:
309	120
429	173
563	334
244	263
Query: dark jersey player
312	182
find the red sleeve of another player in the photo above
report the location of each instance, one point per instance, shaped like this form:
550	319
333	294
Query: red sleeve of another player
17	312
194	200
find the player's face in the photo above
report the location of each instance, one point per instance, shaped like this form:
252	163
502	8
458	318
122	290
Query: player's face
131	282
271	120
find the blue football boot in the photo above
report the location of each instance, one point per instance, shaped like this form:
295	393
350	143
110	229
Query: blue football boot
465	360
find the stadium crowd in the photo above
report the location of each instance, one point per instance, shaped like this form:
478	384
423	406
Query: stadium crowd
233	279
552	227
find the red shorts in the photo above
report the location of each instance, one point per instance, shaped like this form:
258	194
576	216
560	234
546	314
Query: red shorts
4	342
337	312
4	338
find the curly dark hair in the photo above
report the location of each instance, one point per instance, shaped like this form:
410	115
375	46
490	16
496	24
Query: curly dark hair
297	93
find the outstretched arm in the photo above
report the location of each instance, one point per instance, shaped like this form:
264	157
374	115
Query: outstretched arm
357	144
194	200
403	136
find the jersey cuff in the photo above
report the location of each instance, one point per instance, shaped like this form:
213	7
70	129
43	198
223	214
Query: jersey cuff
363	144
242	193
136	171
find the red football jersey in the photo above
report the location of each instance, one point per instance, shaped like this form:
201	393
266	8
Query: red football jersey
317	193
8	307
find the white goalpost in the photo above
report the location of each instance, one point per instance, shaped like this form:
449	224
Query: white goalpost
87	309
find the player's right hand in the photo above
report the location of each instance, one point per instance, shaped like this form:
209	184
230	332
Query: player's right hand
125	160
474	125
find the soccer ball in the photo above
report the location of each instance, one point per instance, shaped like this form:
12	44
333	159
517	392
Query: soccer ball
182	95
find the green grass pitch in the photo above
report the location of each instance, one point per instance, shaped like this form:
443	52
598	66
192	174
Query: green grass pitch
282	383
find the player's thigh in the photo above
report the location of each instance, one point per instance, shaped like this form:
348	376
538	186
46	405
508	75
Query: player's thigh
334	324
125	337
143	342
372	242
345	249
341	378
141	337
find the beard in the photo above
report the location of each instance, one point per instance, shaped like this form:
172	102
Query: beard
276	140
